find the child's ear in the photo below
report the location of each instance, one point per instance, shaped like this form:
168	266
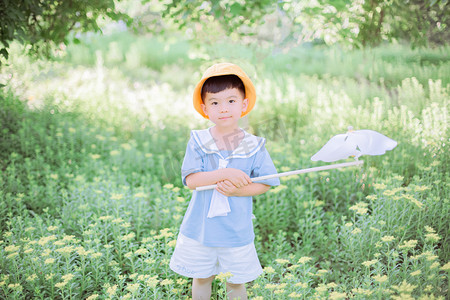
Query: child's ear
204	109
244	105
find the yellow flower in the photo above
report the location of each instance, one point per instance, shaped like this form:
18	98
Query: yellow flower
114	152
168	186
415	273
61	284
302	285
141	251
304	259
321	288
224	276
432	237
152	281
374	229
92	297
332	285
270	286
356	231
429	229
81	251
404	287
105	218
133	288
167	282
12	248
15	286
44	240
269	270
96	255
370	262
281	261
362	291
128	237
387	238
379	186
435	265
431	257
337	295
294	295
12	255
49	276
421	188
371	197
149	261
111	290
408	244
380	278
278	189
49	261
446	267
31	277
115	196
172	243
67	277
95	156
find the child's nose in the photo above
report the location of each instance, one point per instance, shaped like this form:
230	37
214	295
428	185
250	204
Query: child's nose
224	107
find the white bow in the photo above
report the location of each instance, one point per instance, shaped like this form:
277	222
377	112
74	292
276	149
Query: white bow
219	202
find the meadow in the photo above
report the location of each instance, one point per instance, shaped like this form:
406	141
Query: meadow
92	143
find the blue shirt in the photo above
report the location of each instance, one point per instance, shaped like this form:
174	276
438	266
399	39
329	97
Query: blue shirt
202	155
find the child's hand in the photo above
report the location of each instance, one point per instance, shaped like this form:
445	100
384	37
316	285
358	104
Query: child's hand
237	177
227	188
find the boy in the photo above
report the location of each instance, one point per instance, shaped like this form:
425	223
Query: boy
216	235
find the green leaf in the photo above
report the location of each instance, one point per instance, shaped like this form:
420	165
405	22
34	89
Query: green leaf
4	53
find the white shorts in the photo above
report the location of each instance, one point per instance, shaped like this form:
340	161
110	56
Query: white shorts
194	260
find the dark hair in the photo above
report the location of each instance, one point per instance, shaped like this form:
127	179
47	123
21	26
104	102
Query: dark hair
217	84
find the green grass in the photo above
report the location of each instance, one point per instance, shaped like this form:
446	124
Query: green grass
92	146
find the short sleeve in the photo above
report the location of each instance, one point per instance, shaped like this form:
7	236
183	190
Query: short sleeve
263	165
193	160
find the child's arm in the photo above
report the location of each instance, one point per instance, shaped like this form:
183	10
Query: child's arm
235	176
228	189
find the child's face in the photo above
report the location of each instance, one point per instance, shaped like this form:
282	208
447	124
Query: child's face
225	108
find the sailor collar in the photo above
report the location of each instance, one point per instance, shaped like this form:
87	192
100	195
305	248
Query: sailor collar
248	147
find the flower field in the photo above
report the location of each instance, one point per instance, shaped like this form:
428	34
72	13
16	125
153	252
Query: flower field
91	192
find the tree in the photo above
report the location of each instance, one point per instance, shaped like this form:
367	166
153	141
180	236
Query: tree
358	23
42	24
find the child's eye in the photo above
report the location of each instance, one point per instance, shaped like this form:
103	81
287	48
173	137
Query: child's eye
214	103
232	101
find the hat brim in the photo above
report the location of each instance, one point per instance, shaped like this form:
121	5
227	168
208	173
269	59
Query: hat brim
220	70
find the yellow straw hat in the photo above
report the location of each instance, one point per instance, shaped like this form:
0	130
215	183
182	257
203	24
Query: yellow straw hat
225	69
